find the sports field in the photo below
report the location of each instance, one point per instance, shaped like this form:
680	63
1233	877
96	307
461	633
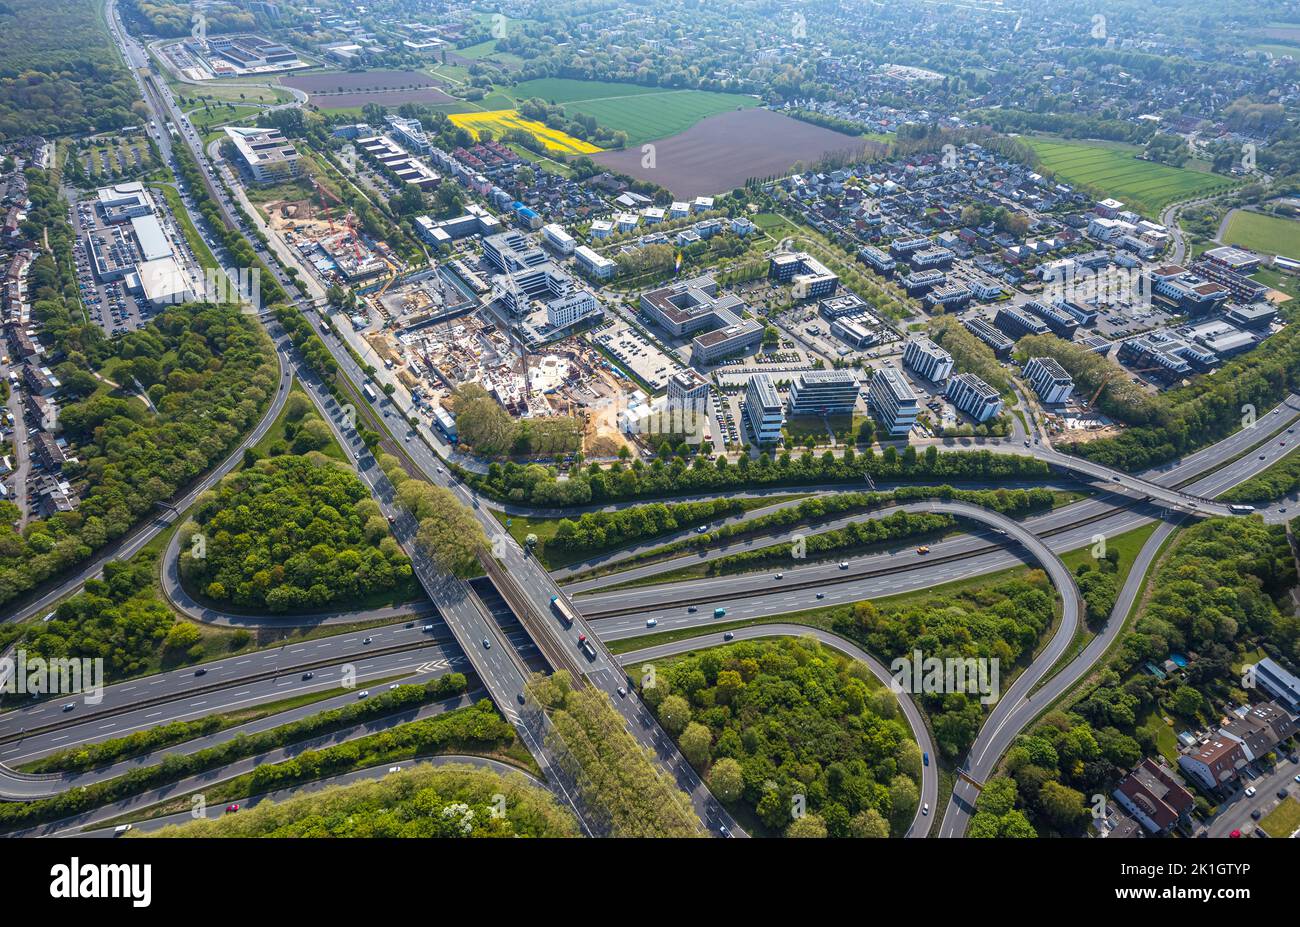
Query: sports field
502	120
1143	186
1269	234
644	113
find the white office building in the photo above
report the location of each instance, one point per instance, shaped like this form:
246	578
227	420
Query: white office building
824	392
597	265
1049	380
763	409
926	358
973	396
559	239
892	401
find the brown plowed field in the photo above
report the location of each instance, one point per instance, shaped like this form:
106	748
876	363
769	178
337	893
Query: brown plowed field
721	152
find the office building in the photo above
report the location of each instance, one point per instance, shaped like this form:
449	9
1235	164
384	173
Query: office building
810	277
927	359
265	154
973	396
1000	343
594	264
891	400
763	409
824	392
1049	380
1016	324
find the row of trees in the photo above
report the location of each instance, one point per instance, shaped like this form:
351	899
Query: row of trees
535	484
448	532
424	801
604	530
476	727
808	740
623	792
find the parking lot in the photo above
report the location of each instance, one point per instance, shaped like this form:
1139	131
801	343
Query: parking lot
635	353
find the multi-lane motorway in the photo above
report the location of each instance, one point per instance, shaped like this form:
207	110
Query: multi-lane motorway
468	631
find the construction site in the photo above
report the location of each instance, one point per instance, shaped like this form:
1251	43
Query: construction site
570	379
325	233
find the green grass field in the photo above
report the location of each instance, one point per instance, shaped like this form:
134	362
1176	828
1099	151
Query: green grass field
1282	821
644	113
1269	234
1143	186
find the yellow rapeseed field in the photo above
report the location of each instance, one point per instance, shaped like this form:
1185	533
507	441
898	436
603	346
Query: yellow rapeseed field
501	120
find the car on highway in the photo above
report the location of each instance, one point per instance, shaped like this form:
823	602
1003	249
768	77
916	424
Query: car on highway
232	808
306	676
925	808
844	564
121	829
366	640
821	595
925	758
487	644
702	529
69	706
393	769
201	671
1250	791
923	549
622	692
692	609
728	636
779	576
651	622
364	693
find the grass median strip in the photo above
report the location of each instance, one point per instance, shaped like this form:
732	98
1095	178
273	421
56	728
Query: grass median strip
140	743
177	767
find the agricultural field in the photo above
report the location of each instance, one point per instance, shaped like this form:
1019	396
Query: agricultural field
644	113
721	152
335	90
1143	186
502	120
1268	234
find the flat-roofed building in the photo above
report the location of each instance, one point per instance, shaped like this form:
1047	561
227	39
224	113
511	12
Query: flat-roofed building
594	264
973	396
824	392
1049	380
927	359
763	409
1016	324
265	154
163	283
555	236
892	401
1000	343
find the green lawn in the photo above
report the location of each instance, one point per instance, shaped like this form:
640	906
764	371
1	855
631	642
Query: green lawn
1269	234
1166	740
644	113
1283	820
1143	186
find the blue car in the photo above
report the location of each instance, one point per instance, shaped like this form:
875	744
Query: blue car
925	759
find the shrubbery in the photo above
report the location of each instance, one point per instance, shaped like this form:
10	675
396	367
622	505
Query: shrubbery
766	720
